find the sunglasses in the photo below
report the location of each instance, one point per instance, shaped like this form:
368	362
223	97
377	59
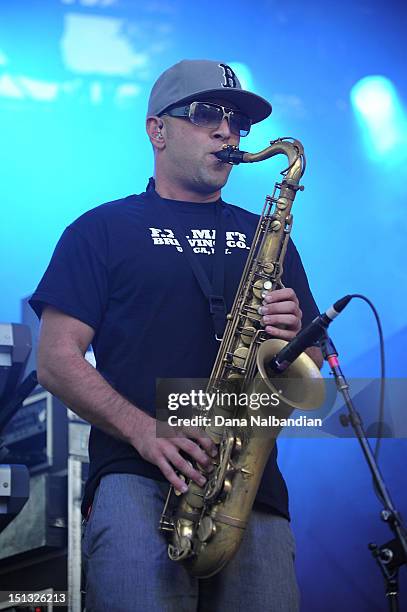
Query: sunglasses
206	114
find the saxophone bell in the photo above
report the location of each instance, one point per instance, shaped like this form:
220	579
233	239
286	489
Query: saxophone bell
299	386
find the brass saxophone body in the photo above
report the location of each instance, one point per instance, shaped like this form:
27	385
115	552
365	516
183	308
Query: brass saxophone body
206	524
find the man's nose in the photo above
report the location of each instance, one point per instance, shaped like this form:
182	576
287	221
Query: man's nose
223	130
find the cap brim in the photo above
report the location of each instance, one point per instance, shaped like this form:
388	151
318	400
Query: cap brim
254	106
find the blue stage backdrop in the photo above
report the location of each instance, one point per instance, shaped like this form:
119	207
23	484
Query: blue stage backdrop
74	79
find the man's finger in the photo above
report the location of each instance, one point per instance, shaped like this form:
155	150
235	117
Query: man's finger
171	475
281	295
286	320
194	451
186	468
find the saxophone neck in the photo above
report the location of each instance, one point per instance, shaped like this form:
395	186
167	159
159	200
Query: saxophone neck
290	147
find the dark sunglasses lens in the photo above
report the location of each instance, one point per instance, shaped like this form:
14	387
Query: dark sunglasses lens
240	124
206	115
211	115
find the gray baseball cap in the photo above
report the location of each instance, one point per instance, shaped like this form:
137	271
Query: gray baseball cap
193	80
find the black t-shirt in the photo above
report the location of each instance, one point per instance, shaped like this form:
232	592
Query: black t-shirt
120	269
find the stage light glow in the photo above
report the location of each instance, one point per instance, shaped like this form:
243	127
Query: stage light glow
380	115
38	90
9	88
24	87
94	44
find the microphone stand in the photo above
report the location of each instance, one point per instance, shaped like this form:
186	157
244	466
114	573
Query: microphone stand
393	554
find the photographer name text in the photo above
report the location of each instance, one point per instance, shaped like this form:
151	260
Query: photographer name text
254	420
208	404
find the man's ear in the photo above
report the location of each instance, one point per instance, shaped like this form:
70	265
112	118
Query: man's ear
156	132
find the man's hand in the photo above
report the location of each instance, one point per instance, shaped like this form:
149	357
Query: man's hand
282	319
281	314
63	370
164	452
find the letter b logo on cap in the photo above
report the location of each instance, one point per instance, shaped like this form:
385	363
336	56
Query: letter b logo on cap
228	75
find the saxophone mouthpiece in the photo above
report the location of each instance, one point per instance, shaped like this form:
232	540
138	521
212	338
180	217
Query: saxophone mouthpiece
230	154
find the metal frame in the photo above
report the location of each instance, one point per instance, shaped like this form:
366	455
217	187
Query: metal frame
78	432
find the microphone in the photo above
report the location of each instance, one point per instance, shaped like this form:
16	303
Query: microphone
310	334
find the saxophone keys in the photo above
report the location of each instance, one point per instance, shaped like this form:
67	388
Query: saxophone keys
282	203
237	447
194	496
258	288
239	356
206	529
180	549
246	474
268	267
247	334
227	484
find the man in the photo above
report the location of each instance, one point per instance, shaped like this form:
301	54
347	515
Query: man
122	279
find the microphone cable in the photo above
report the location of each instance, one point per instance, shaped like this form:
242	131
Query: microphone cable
379	434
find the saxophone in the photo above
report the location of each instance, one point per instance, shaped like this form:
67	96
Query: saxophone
206	524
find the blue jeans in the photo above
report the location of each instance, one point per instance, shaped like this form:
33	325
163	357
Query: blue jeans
127	569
